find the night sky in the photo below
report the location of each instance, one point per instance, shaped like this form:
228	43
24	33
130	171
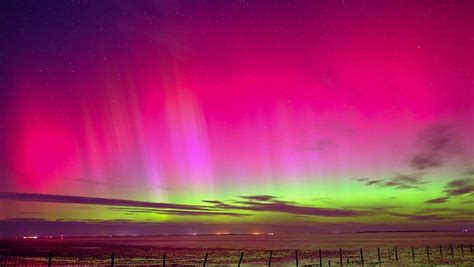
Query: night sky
181	117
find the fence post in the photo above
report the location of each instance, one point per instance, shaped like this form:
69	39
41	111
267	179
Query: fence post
241	257
470	248
112	260
320	259
270	259
361	257
428	253
452	251
413	254
205	261
340	256
462	250
396	254
378	256
296	257
50	256
164	259
441	251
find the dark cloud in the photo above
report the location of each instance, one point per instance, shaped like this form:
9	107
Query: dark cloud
459	187
129	206
426	218
259	197
213	201
371	210
469	172
437	200
400	181
266	203
445	210
468	201
437	143
369	181
377	208
256	203
300	210
405	181
425	161
201	213
218	204
132	211
94	201
440	214
445	214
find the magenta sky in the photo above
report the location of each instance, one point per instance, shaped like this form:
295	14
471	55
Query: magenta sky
341	113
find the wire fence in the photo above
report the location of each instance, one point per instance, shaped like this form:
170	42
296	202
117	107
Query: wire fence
459	255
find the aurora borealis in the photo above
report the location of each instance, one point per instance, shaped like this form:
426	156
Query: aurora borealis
188	117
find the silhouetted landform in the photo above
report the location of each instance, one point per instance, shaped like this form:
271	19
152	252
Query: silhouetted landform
411	231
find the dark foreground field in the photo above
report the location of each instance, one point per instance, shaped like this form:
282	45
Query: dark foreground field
428	249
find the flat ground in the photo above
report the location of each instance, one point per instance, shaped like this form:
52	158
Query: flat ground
226	249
